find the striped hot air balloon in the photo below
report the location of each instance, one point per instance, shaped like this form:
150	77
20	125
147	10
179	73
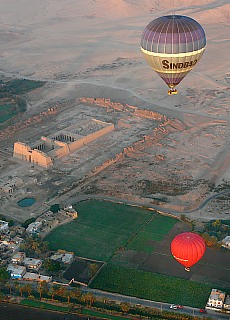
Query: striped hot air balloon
188	248
172	45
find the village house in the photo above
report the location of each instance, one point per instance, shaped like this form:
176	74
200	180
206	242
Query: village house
68	258
17	230
18	258
226	242
16	271
216	300
32	264
62	256
48	220
4	227
34	227
11	244
71	212
227	304
30	276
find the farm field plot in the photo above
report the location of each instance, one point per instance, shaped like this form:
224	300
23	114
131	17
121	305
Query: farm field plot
155	230
6	111
152	286
82	270
100	229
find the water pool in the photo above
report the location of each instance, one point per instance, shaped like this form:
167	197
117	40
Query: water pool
26	202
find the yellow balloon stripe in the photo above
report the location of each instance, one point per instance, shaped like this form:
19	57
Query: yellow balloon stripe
172	55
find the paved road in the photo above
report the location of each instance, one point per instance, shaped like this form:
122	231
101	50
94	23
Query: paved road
154	304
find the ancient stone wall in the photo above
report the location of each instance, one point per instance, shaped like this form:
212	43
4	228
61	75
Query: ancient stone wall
24	152
147	141
91	137
107	103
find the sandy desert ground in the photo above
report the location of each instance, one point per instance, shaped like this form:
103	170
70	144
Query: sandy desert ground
91	49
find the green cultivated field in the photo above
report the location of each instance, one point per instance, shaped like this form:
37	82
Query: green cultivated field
11	102
152	286
18	86
43	305
100	229
155	230
6	111
103	229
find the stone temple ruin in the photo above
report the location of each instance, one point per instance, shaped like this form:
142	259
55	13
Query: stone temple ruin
48	149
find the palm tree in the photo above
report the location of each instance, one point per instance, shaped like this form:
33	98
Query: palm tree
16	285
77	293
52	291
4	276
125	307
67	294
9	286
89	298
21	289
61	291
41	288
28	288
34	245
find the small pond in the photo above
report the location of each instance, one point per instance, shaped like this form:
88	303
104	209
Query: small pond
26	202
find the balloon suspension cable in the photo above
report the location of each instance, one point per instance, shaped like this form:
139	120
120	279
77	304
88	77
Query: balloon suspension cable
187	269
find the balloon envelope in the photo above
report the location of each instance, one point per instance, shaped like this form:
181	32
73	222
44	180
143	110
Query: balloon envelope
172	45
188	248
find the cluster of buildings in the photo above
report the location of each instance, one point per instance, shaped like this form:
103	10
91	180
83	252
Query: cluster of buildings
8	245
21	267
49	220
18	265
26	268
218	301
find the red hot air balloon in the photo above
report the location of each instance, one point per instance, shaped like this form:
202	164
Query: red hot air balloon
188	248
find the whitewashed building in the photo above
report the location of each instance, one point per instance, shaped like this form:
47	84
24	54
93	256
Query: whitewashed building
18	257
30	276
32	264
34	227
216	300
64	257
4	227
16	272
226	242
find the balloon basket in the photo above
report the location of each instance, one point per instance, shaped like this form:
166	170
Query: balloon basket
172	91
187	269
